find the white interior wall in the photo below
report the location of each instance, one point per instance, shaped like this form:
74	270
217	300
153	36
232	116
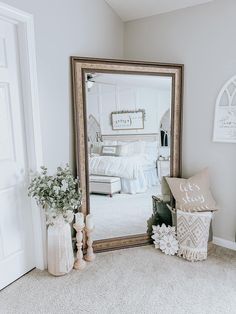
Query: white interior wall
203	39
62	29
104	99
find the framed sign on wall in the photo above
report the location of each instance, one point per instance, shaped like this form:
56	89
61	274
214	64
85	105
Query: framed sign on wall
225	114
128	120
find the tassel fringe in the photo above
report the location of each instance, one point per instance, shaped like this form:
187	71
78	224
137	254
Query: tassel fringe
192	255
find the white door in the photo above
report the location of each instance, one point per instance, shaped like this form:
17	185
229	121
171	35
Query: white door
16	235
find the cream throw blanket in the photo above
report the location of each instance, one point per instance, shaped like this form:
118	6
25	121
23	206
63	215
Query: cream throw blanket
192	234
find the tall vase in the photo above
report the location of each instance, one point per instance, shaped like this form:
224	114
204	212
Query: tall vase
60	251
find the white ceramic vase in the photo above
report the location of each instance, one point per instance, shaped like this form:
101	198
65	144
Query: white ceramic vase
60	251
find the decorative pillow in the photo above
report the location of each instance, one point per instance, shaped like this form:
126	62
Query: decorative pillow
135	148
161	214
96	148
109	143
117	150
165	190
193	234
151	148
123	150
138	147
192	194
109	150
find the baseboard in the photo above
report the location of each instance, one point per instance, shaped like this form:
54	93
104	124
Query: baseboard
225	243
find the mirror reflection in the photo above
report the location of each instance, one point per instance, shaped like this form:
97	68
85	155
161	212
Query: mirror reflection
128	130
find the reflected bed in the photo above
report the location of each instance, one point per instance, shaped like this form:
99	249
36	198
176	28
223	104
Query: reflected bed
134	162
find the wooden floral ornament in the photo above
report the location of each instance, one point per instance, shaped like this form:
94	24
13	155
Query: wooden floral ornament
165	239
159	232
169	245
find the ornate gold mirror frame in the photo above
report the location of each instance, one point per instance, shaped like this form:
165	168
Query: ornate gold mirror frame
82	65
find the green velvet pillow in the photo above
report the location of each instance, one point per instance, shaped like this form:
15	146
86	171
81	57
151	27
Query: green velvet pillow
161	214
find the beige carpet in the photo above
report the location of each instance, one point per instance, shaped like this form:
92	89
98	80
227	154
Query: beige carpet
122	214
140	280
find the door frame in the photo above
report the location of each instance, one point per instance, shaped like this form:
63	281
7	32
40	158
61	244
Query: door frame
24	23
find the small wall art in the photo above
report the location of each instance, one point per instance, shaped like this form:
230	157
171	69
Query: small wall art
128	120
225	113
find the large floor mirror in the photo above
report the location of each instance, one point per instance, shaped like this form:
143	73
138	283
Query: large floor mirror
127	138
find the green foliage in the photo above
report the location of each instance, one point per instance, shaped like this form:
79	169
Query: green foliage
57	193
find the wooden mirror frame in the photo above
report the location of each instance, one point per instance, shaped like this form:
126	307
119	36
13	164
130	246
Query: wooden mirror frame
82	65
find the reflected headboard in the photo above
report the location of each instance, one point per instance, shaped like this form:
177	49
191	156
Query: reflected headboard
151	137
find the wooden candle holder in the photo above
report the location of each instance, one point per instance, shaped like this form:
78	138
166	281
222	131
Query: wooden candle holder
80	262
90	256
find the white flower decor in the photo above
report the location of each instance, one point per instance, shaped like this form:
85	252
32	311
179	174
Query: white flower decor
58	195
156	236
169	245
165	239
159	232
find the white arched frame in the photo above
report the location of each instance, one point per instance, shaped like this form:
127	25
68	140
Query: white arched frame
225	113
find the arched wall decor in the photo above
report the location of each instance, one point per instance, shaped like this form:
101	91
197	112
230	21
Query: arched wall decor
165	128
94	129
225	113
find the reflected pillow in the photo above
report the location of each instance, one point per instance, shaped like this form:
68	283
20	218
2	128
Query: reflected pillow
123	150
131	149
138	148
109	143
96	148
151	148
165	190
110	150
135	148
192	194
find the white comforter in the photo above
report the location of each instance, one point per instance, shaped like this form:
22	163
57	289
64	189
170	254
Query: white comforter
123	167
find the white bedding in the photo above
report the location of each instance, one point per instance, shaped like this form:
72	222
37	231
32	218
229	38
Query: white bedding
135	165
123	167
140	185
137	173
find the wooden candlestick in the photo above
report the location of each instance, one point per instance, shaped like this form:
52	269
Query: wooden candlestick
90	256
80	262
